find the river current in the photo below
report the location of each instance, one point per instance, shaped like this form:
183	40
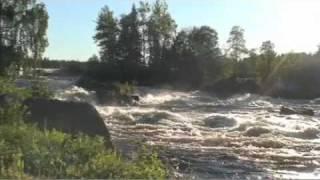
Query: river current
205	137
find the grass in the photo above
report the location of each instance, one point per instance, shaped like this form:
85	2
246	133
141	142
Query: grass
25	151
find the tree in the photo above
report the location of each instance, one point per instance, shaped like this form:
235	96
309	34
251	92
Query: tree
23	27
197	54
39	41
267	49
130	37
236	42
107	36
237	48
267	59
144	14
247	67
130	43
161	31
93	58
204	44
183	61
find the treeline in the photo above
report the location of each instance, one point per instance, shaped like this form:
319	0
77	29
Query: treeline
71	67
144	46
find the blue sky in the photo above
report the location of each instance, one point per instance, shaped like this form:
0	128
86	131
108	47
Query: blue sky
293	25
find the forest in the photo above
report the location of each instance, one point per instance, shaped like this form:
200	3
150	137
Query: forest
146	47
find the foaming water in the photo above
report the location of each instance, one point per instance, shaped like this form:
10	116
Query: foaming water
237	137
206	137
75	93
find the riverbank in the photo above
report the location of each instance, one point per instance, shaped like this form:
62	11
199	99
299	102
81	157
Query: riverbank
61	144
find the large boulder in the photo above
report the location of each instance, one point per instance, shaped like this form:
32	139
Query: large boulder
68	117
302	111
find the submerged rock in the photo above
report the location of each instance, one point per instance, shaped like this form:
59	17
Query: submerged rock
256	131
302	111
219	122
68	117
309	133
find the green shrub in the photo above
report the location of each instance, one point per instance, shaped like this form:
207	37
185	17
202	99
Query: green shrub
11	164
125	89
13	113
7	86
26	151
39	89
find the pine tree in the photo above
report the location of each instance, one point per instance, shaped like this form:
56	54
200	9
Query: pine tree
107	36
130	42
161	30
236	42
130	37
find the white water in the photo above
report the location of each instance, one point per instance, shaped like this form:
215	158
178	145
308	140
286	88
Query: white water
207	137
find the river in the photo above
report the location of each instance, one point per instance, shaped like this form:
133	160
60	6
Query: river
205	137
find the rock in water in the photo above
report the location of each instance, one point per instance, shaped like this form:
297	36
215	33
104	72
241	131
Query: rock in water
301	111
68	117
256	131
310	133
219	122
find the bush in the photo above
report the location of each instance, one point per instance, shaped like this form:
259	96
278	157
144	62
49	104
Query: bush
26	151
11	165
125	89
11	114
39	89
7	86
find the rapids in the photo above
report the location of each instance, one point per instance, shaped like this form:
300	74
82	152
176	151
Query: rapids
205	137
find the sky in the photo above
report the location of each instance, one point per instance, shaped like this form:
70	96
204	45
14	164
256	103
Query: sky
292	25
